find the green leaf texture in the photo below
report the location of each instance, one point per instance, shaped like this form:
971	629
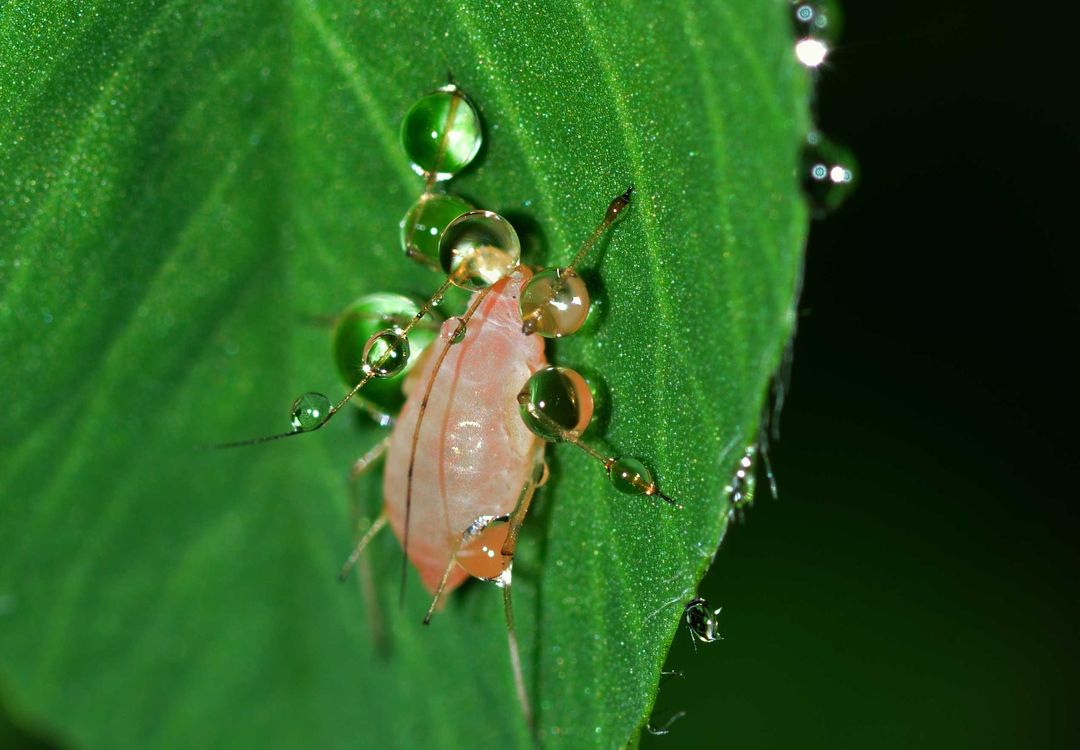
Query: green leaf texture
183	185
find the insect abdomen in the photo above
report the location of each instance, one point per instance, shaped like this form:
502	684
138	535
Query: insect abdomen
473	451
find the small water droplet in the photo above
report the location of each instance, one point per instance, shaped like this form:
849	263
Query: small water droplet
829	174
386	353
630	476
453	330
817	18
310	411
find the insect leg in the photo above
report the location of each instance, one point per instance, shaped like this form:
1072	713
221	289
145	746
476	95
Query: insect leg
376	527
362	464
508	549
515	652
445	578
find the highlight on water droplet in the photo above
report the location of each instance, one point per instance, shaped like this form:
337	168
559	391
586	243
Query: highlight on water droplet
310	411
811	52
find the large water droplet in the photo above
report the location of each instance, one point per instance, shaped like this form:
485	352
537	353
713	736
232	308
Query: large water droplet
441	133
554	400
828	174
423	225
478	248
554	303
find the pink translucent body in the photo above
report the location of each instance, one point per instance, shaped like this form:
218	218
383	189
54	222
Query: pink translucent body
474	452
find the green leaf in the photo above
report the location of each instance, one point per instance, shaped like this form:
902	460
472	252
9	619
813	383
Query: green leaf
182	185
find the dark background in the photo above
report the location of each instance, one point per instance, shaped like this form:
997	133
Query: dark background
913	584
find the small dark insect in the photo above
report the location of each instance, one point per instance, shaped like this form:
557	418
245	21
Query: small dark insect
702	621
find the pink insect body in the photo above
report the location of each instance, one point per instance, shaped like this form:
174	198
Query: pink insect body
473	453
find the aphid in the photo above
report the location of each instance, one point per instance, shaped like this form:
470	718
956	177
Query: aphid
701	621
466	453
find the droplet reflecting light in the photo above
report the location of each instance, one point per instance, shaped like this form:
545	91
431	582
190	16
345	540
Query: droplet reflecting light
811	52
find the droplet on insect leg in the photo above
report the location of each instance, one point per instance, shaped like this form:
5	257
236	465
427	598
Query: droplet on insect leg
441	134
554	401
364	318
630	476
481	551
423	226
310	411
554	303
478	249
386	353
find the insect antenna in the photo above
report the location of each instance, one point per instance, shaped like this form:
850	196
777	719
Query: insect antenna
614	211
456	336
385	354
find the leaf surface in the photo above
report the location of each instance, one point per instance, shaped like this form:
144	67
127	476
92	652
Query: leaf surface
184	185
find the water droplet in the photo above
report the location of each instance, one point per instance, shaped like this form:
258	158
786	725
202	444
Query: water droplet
478	248
356	325
480	552
441	134
425	222
454	330
310	411
386	353
701	620
554	303
630	476
818	18
556	400
829	174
